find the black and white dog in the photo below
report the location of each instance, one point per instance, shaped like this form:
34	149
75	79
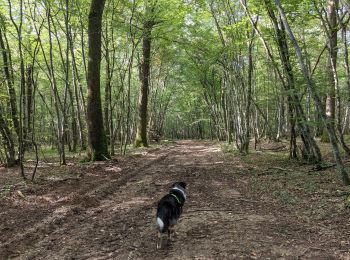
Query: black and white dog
169	209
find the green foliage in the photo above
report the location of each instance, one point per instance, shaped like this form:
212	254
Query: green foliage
5	190
324	137
229	148
347	202
197	77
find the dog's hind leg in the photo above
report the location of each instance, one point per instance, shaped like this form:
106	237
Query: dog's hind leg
169	235
159	240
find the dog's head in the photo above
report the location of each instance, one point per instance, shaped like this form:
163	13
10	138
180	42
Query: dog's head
180	186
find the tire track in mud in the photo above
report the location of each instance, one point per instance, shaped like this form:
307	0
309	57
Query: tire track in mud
139	239
121	225
62	215
221	219
105	231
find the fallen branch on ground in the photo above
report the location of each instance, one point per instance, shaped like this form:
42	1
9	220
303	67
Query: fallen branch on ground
319	167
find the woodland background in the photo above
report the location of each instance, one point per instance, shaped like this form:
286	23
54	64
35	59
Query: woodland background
234	71
96	97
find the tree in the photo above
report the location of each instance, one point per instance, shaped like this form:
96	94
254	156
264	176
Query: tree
141	135
97	138
311	87
310	151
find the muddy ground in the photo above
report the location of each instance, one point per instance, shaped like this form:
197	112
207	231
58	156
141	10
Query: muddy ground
261	206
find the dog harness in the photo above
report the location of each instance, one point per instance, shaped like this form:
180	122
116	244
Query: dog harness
177	199
180	190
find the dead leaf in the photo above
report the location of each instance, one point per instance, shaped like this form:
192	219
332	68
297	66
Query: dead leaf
20	194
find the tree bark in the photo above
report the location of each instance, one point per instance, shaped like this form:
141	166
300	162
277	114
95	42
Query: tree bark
98	149
22	83
7	140
141	135
332	60
245	145
347	73
28	102
9	80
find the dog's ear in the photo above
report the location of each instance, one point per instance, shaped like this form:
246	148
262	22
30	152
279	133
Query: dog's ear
181	184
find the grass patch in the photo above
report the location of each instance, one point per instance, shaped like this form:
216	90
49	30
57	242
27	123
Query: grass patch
347	202
285	197
310	186
50	153
229	148
4	191
267	159
260	185
8	188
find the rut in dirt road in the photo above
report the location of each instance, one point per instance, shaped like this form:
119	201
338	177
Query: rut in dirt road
113	216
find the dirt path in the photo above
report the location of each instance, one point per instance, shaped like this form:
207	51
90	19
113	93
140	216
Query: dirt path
107	211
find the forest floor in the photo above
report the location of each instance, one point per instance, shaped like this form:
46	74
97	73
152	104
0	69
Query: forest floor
259	206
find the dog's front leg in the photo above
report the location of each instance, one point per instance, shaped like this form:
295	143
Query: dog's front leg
159	240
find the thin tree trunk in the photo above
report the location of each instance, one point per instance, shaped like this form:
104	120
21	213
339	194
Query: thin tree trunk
131	59
347	73
28	102
74	127
332	61
8	140
311	150
77	87
108	73
32	127
246	142
141	135
22	84
57	101
312	90
82	40
9	80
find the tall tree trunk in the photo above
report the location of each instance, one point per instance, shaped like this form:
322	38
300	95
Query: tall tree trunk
74	130
141	135
332	61
27	128
108	93
77	88
57	101
98	149
128	97
347	73
9	80
333	7
22	83
245	146
82	37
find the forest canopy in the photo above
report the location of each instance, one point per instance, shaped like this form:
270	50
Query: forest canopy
236	71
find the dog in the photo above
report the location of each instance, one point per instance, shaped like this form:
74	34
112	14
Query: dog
169	210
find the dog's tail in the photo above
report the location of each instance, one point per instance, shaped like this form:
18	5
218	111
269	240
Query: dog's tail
160	224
